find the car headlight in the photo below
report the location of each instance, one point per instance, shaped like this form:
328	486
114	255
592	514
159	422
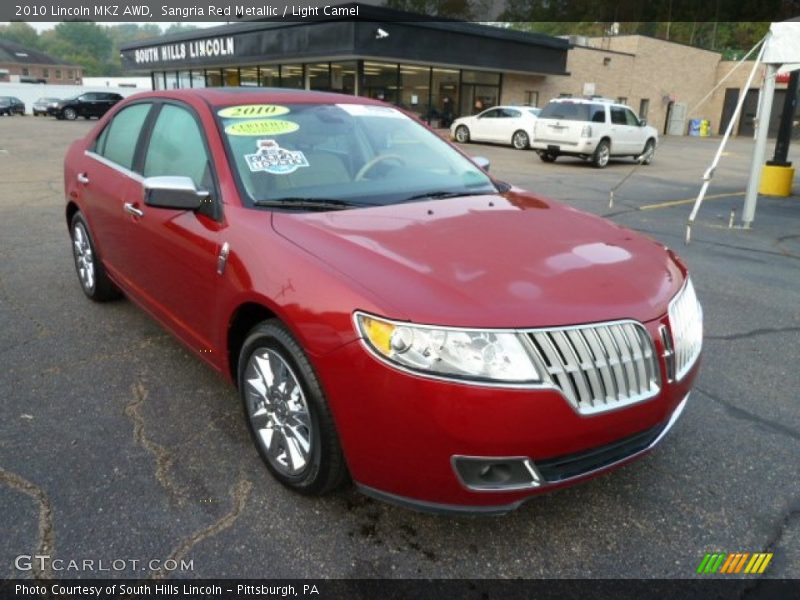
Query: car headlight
478	355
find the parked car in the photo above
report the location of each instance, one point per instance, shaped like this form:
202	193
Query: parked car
42	106
10	105
593	129
500	124
90	104
385	307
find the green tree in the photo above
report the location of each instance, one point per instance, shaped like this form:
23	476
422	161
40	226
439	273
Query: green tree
20	32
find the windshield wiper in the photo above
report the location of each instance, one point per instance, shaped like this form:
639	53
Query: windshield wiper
441	194
300	202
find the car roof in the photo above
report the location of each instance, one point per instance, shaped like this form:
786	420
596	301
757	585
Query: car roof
590	101
221	96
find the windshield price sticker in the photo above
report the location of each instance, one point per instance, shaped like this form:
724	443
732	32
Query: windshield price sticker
271	158
262	127
249	111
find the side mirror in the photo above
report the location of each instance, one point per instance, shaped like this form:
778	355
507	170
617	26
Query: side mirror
482	162
173	192
642	122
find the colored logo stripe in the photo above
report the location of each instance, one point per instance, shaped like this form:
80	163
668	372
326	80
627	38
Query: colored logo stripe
734	562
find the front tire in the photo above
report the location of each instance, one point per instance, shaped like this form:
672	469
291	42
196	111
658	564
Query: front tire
91	274
648	153
462	134
70	114
286	411
520	140
601	154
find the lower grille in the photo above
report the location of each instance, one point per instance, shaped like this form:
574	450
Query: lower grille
598	367
568	466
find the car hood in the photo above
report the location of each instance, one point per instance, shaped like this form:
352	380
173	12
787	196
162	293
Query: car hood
511	260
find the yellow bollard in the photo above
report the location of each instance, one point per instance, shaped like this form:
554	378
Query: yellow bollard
776	181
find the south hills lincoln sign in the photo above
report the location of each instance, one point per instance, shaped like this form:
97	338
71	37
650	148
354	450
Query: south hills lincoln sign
209	48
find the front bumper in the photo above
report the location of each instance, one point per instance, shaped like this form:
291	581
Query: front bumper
401	432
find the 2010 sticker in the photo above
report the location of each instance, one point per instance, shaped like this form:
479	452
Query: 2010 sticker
262	127
250	111
271	158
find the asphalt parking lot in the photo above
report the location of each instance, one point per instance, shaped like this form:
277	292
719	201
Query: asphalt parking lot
116	444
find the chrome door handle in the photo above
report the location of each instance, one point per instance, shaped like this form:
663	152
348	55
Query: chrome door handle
132	210
82	178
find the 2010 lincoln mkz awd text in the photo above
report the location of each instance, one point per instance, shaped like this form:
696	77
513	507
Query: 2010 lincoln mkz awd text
386	308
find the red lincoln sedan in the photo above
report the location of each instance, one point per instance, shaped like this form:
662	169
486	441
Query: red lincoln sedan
388	311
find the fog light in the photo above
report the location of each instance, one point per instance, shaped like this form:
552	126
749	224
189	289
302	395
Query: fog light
496	474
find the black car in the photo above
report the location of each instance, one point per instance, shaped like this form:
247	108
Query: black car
90	104
9	105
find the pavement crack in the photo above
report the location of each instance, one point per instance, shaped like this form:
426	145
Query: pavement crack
40	570
163	457
755	332
739	413
792	513
239	494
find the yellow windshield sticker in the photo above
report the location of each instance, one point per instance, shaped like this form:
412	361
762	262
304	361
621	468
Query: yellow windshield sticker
249	111
262	127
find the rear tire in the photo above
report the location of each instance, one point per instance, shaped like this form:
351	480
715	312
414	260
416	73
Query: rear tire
520	140
462	134
601	154
286	412
91	273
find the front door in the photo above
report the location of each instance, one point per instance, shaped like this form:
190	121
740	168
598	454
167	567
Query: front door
174	262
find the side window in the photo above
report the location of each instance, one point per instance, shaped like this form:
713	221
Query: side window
495	113
512	114
632	119
177	147
618	116
117	143
598	113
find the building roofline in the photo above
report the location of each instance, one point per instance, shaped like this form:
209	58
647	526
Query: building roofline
33	56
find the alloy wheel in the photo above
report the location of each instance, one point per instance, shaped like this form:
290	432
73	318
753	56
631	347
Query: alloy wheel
278	412
84	260
520	140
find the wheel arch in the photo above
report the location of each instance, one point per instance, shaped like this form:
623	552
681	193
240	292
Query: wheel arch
246	316
72	208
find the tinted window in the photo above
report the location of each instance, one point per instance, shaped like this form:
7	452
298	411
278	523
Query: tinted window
618	116
118	141
570	111
177	147
514	114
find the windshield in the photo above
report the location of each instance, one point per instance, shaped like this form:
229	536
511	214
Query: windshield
360	154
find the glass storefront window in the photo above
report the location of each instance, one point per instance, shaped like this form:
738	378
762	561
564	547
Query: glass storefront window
444	97
172	80
343	77
198	79
319	76
293	76
414	89
231	77
213	78
380	82
269	76
248	76
184	80
158	80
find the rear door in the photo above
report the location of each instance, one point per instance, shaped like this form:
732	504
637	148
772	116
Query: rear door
512	121
107	181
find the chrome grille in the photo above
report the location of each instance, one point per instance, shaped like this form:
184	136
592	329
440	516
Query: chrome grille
598	367
686	322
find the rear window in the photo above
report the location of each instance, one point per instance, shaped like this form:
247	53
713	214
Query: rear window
573	111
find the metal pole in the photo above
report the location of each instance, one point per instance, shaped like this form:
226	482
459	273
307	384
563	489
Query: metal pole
760	147
779	159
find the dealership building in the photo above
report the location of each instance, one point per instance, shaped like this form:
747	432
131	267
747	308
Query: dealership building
442	70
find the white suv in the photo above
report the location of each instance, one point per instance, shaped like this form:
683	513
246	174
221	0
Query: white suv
593	129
